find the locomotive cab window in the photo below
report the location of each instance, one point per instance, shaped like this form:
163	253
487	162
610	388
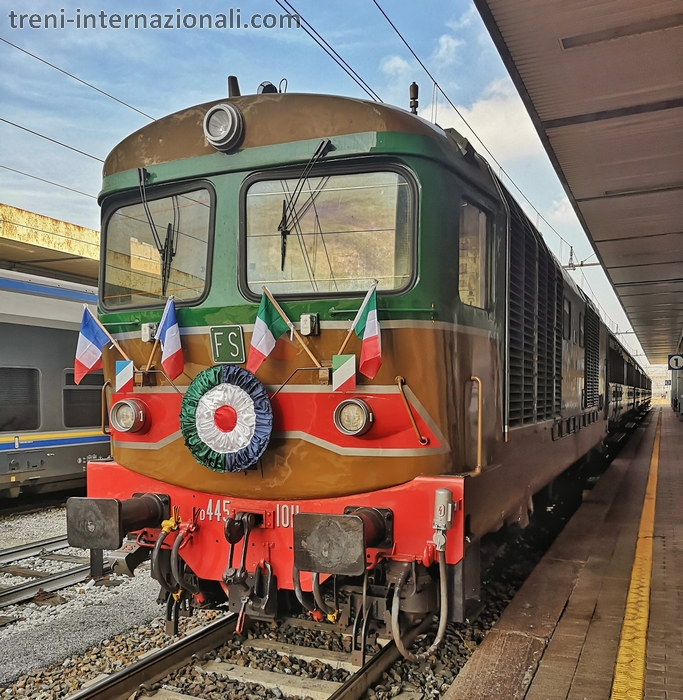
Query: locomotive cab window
567	320
156	250
82	402
19	399
473	267
329	234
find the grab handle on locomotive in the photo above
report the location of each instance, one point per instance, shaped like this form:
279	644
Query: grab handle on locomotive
480	425
105	408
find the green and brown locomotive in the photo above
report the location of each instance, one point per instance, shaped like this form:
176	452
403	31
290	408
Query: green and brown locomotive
493	376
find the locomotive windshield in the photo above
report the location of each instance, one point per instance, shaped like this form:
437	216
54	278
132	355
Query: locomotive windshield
157	250
329	234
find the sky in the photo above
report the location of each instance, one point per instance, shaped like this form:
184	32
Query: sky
160	71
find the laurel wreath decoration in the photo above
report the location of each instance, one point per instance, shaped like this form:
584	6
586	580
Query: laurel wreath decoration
226	418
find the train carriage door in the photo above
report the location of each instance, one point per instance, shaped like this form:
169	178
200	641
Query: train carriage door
477	346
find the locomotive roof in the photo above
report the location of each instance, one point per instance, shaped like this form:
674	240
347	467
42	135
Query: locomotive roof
269	119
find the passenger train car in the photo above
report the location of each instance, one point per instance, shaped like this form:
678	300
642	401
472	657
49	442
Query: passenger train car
49	427
493	378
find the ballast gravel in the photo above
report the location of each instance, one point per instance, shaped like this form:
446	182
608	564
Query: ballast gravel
50	634
41	635
28	527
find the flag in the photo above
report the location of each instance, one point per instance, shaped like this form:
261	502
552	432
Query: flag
124	376
91	340
168	334
366	325
268	328
343	372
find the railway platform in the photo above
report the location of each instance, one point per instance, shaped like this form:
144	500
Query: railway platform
601	616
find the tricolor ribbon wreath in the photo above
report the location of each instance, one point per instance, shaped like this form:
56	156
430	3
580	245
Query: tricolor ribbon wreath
226	418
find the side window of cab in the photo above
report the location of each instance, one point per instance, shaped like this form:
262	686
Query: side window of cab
473	277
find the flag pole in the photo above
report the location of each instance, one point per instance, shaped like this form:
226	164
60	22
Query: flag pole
151	354
355	320
107	333
346	340
295	333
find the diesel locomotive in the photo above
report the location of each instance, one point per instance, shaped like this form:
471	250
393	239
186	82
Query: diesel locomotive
368	504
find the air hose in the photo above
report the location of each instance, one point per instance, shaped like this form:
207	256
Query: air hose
303	598
176	568
318	596
156	573
443	613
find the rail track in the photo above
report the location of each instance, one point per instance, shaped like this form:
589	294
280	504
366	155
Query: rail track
40	580
145	673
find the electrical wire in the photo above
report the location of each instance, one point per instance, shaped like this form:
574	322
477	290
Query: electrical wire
47	138
474	133
327	48
49	182
495	160
61	70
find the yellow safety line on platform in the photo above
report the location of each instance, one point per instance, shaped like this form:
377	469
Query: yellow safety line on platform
629	672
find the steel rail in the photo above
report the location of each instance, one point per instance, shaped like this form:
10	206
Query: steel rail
122	684
359	683
63	579
32	549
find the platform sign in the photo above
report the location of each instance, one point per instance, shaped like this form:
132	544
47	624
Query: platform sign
675	361
227	345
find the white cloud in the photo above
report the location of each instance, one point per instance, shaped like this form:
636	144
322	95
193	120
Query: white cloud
562	211
466	19
395	66
446	52
500	120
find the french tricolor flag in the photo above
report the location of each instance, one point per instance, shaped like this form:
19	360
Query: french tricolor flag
91	341
168	334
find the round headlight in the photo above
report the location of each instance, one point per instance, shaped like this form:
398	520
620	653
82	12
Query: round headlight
128	416
223	126
353	417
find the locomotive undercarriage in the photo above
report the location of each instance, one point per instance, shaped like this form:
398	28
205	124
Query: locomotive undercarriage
356	578
361	606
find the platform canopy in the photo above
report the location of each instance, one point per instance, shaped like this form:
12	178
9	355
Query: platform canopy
603	83
39	245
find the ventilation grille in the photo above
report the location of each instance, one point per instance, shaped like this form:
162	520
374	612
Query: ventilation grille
535	338
592	363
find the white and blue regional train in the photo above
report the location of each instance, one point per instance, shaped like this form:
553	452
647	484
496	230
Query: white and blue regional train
49	426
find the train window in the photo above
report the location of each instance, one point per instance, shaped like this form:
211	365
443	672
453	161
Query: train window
329	234
19	399
473	275
83	402
581	330
136	271
567	320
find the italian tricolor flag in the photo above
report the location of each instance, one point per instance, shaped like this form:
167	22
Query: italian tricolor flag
268	328
366	326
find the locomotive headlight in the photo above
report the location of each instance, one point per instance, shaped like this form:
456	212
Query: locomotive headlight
223	126
353	417
128	416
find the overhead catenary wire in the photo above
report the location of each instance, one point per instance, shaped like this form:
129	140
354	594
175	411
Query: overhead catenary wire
327	48
459	113
49	182
502	170
47	138
74	77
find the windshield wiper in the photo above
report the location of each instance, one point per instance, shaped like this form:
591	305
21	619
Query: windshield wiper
168	249
290	216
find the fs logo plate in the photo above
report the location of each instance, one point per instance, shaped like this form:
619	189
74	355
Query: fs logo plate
227	345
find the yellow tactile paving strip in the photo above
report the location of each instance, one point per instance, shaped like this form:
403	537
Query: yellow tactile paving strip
629	672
